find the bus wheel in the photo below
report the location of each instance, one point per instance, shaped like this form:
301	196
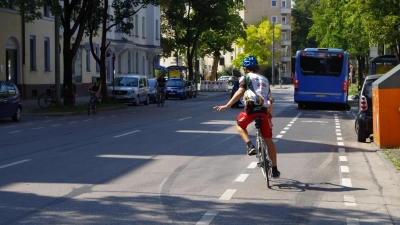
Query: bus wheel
300	105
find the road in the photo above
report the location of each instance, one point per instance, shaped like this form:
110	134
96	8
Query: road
185	164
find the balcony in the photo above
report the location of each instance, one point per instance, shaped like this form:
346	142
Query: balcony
286	59
286	43
286	11
286	27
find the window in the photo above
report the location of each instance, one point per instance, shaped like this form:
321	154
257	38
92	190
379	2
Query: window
143	27
273	3
283	36
11	4
274	19
3	89
46	11
98	55
136	26
283	20
32	53
157	30
283	4
46	54
87	60
12	90
231	56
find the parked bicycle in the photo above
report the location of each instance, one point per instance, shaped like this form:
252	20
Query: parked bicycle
93	103
159	97
49	98
264	160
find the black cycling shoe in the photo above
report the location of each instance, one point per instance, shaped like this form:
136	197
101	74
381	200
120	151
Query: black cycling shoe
251	151
276	174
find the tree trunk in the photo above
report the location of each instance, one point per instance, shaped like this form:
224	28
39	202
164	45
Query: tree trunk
214	68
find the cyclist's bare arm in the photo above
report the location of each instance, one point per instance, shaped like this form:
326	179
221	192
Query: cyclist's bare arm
239	93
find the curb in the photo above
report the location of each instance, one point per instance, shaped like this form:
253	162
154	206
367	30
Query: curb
388	164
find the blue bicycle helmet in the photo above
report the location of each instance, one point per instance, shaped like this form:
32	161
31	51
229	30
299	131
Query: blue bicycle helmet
249	61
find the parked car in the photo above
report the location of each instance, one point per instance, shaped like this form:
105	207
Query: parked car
231	79
191	89
364	121
152	89
176	88
10	105
130	88
234	89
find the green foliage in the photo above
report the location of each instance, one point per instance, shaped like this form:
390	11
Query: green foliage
228	72
258	43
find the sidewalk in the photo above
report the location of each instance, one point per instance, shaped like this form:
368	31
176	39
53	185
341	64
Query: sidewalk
30	104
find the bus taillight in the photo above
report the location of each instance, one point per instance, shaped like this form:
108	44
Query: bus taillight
344	87
296	85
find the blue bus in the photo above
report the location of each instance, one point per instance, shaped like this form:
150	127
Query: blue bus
321	76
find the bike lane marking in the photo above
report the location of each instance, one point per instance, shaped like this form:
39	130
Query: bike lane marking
207	218
242	177
15	163
121	135
228	194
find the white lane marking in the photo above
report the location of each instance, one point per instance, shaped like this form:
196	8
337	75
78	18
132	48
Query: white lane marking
338	134
275	140
207	218
101	118
349	200
338	131
292	122
340	143
228	194
286	128
337	124
341	150
56	125
12	132
310	121
338	127
339	138
184	118
37	128
87	120
346	182
344	169
126	133
241	177
283	132
289	125
46	121
279	136
252	165
15	163
29	124
352	221
343	158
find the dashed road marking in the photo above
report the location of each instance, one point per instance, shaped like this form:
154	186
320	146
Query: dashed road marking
349	200
346	182
15	163
344	169
252	165
228	194
126	133
242	177
207	218
353	221
343	158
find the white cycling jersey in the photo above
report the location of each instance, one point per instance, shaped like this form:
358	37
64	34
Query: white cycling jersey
260	86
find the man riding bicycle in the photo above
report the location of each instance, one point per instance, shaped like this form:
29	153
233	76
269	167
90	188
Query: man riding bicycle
161	85
262	88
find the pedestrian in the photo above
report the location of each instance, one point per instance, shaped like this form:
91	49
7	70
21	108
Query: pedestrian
263	109
292	77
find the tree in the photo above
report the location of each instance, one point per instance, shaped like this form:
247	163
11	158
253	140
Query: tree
212	42
188	19
301	24
102	19
258	42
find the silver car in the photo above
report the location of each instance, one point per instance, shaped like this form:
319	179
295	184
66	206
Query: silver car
130	88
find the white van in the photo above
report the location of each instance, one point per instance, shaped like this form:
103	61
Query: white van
130	88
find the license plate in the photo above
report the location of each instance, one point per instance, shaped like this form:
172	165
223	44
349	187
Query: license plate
172	93
320	96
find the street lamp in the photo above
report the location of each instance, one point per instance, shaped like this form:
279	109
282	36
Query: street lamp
273	53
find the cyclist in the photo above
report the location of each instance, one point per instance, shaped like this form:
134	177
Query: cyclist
262	88
161	85
96	88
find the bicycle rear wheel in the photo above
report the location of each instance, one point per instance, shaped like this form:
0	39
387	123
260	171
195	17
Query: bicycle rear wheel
45	100
264	160
158	99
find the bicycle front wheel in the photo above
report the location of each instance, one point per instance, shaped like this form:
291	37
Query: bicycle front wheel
45	100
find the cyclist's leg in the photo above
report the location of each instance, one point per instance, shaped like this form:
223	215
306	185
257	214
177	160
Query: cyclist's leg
243	120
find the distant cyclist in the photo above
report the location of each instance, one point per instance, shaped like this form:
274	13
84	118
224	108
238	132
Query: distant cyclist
96	88
261	87
161	85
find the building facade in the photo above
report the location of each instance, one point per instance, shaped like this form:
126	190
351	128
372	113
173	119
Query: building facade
28	51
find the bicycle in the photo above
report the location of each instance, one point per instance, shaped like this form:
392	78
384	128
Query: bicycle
262	152
159	97
48	99
93	103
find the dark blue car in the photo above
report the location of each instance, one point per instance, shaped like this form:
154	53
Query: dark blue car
10	105
234	89
176	88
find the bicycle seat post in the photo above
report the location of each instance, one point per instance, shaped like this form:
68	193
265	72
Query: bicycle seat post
258	122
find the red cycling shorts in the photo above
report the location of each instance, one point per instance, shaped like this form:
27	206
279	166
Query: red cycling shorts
246	117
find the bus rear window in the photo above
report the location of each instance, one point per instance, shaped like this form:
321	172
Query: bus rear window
321	64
